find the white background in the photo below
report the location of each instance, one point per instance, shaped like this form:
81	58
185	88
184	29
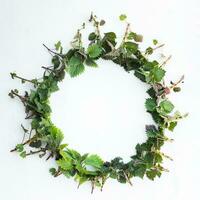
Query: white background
102	111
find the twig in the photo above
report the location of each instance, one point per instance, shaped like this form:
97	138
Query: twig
165	62
52	51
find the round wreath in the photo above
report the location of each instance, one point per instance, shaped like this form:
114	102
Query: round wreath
45	137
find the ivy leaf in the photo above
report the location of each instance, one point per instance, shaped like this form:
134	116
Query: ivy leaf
150	104
122	17
94	50
76	66
166	106
94	161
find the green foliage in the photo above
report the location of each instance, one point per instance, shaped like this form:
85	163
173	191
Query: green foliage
76	66
94	161
166	107
46	139
94	50
150	104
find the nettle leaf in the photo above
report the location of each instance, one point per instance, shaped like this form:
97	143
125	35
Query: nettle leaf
151	131
150	104
94	161
65	164
157	74
94	50
166	106
131	47
76	66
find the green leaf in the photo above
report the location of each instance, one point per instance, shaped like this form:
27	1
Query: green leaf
90	62
172	125
151	131
19	147
23	154
131	47
94	50
94	161
150	104
155	42
58	45
65	164
151	174
52	171
157	74
56	61
166	106
92	36
76	66
122	17
140	171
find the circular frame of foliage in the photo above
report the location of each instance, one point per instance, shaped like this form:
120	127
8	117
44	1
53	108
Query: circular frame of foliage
44	138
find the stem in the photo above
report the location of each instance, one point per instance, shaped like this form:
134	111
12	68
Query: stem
96	24
126	33
127	178
179	81
52	51
165	62
35	152
28	141
24	79
158	47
